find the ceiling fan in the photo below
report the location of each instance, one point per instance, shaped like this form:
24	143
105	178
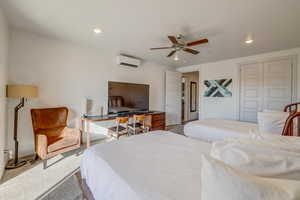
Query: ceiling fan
179	44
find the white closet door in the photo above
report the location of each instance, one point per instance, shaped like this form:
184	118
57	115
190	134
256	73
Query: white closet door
265	85
251	100
277	84
173	98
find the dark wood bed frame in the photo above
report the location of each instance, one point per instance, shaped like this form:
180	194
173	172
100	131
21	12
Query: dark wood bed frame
291	108
292	124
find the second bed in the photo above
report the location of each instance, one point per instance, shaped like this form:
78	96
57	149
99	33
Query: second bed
214	129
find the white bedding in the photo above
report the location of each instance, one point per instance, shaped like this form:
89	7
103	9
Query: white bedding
222	182
160	165
212	129
265	155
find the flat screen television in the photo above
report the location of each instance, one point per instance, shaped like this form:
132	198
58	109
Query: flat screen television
127	97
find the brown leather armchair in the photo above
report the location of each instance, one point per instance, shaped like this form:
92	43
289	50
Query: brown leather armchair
52	136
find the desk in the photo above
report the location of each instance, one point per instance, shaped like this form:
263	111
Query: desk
155	120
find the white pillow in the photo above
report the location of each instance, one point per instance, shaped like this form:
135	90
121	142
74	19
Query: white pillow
288	143
295	121
273	156
221	182
271	122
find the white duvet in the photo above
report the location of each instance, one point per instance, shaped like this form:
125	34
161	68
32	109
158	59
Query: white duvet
264	155
160	165
212	129
222	182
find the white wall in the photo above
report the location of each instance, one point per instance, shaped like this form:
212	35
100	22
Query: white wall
66	74
3	79
228	108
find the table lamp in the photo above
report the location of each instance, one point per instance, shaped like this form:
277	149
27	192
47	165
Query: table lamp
22	92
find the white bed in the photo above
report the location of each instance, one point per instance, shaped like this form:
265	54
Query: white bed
160	165
212	129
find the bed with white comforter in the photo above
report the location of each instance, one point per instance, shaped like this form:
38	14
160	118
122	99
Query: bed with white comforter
214	129
160	165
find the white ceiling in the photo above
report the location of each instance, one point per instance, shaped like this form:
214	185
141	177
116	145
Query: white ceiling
134	26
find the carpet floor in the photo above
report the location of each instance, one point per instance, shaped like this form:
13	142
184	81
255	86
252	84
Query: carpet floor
68	190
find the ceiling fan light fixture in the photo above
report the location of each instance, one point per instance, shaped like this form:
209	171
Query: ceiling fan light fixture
249	38
179	45
249	41
97	30
176	58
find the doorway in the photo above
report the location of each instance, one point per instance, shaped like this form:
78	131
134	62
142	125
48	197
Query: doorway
190	96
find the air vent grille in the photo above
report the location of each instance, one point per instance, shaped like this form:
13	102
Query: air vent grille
129	65
128	61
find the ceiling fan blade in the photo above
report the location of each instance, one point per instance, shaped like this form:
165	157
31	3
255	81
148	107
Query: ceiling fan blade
171	54
173	39
197	42
161	48
192	51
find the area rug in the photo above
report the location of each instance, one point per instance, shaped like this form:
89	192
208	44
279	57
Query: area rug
70	189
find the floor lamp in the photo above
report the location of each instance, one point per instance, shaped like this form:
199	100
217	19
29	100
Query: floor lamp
22	92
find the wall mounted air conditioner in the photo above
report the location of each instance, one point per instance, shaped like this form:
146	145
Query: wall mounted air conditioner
128	61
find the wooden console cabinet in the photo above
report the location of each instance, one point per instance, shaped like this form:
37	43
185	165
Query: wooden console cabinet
156	121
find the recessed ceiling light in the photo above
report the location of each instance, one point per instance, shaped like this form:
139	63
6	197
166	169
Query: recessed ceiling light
249	41
97	31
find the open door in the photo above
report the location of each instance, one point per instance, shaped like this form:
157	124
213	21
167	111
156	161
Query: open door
173	98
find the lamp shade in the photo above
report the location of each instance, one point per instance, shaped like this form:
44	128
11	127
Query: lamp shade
21	91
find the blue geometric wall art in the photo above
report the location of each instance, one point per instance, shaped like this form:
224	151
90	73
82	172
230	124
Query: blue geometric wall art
218	88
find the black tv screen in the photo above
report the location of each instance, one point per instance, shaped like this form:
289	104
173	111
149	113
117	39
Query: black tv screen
127	97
